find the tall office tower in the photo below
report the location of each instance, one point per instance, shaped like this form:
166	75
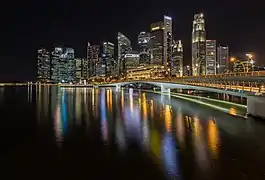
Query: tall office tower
92	59
108	57
222	59
43	65
78	69
63	65
124	47
198	46
156	41
167	42
81	67
143	41
177	59
210	57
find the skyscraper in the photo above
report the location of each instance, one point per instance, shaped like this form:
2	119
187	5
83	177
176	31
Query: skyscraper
92	59
81	67
156	41
167	42
198	45
222	59
143	41
124	47
43	65
108	57
63	65
210	57
177	59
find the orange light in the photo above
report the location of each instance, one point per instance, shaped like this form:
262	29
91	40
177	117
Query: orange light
232	59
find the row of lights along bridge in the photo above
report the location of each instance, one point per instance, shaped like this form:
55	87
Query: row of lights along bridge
159	56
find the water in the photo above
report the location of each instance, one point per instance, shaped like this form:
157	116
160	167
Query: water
50	132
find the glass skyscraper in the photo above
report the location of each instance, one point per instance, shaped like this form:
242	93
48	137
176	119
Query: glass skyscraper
63	65
156	41
167	42
143	41
93	53
177	59
108	57
124	47
223	59
210	57
198	46
43	65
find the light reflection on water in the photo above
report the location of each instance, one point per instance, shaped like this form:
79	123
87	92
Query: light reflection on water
160	125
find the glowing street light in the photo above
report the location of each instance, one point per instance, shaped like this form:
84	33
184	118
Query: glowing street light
250	56
232	59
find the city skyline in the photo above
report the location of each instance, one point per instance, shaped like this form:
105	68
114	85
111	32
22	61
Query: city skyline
53	30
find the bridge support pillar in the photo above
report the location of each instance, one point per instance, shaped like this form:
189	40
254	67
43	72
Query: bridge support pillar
165	90
118	87
255	106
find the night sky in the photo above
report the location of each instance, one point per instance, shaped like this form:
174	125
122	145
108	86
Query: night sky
31	24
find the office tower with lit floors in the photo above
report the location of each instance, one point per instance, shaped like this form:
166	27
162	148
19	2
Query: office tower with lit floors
143	42
63	65
210	57
177	59
108	57
124	47
93	53
156	41
167	42
222	59
43	65
198	45
81	66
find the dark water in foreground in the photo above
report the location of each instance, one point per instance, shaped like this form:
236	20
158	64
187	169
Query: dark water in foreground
100	133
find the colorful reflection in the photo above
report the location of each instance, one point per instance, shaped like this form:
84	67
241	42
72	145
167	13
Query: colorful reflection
233	111
145	128
78	106
213	138
155	143
152	109
180	129
170	155
168	117
200	147
103	116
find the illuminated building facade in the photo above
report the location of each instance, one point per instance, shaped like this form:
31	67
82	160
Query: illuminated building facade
92	60
81	66
63	65
43	65
143	41
177	59
132	60
198	45
222	59
167	42
108	57
210	57
156	41
187	71
124	47
146	72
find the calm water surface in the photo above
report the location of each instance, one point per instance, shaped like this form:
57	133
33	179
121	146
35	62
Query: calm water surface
82	133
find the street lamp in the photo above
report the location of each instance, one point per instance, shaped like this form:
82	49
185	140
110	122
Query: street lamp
232	60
